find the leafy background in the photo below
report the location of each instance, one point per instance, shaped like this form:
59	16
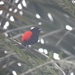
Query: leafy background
54	52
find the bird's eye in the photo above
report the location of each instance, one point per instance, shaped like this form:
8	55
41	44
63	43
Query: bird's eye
32	27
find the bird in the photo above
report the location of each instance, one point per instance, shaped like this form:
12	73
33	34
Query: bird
30	37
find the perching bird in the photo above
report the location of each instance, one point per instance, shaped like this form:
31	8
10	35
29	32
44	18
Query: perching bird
30	37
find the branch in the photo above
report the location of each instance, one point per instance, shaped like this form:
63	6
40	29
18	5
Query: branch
30	50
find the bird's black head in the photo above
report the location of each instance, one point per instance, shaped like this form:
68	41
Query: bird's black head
36	29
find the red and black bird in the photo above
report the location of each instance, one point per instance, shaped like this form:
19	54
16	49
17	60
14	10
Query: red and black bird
30	37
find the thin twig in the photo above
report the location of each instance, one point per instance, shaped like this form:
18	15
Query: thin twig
17	36
66	62
8	55
31	70
10	63
46	63
69	57
51	33
64	36
58	67
19	28
66	51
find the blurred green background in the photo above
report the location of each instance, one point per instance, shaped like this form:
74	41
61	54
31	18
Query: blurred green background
54	53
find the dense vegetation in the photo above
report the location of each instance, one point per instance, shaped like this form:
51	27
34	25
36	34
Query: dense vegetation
54	54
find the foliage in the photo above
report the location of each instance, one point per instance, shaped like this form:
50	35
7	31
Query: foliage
53	17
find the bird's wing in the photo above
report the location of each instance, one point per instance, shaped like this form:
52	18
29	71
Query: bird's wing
26	36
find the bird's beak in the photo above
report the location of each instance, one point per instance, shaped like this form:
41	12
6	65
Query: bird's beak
40	29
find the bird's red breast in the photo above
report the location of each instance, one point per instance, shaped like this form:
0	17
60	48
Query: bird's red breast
26	36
